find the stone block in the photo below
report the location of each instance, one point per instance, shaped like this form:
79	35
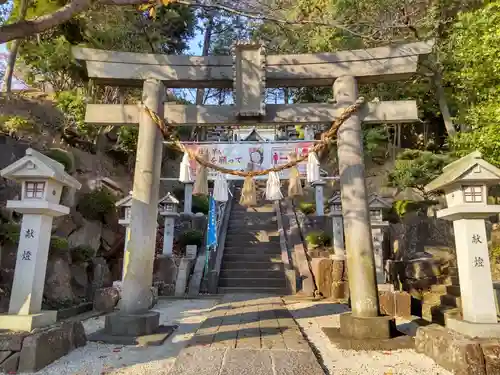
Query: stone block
338	270
422	268
323	271
379	327
4	355
386	303
106	299
455	352
120	324
491	352
58	281
165	269
28	322
10	364
402	302
483	330
44	347
12	341
340	290
191	251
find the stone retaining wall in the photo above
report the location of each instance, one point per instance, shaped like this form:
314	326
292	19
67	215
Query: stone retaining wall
32	351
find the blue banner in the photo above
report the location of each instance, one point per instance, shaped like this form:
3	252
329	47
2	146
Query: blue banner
212	223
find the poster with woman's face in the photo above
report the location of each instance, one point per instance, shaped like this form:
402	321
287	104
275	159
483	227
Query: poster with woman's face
256	159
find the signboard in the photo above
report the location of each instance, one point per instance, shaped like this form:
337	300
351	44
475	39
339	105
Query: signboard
251	156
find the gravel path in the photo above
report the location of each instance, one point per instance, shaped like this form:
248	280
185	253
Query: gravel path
100	359
312	316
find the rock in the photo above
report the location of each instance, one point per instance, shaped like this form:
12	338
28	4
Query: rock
323	270
88	234
455	352
154	296
64	226
80	279
491	351
44	347
78	336
12	341
105	299
10	364
340	290
58	281
166	269
422	268
101	275
108	238
4	355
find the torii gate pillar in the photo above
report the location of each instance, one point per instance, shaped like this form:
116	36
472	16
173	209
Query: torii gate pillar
134	317
358	238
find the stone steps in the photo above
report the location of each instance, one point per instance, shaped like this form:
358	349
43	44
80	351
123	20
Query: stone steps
266	258
249	282
260	266
228	273
451	301
253	290
257	250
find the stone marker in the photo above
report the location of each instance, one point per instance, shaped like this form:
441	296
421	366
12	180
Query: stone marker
42	180
337	226
319	197
465	183
376	204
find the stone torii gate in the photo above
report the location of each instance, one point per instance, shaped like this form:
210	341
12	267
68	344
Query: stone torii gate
248	72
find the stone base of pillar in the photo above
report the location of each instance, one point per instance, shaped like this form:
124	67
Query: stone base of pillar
29	322
479	330
375	333
133	329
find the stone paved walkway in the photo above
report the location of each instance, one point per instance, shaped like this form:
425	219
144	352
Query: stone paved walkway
248	335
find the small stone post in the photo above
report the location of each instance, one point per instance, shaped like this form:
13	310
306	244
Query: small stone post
337	227
318	190
168	209
188	197
465	183
42	180
125	205
358	238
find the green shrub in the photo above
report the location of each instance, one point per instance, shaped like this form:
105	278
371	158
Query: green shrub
200	204
318	239
307	208
191	237
495	254
9	232
82	253
62	157
403	207
15	124
58	245
96	204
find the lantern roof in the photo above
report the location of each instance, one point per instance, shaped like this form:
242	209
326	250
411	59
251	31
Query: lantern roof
125	202
169	198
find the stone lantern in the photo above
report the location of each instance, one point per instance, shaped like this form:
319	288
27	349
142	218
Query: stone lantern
335	204
168	208
465	184
42	180
376	205
125	206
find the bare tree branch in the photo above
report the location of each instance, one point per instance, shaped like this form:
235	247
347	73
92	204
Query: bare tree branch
37	25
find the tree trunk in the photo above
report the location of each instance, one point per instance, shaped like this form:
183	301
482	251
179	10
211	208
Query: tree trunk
443	105
11	62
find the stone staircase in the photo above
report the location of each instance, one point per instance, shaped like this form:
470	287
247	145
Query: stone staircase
443	298
252	253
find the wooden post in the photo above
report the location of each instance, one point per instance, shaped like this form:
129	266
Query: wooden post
358	238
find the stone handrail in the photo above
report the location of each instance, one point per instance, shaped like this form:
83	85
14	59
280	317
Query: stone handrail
215	261
286	256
